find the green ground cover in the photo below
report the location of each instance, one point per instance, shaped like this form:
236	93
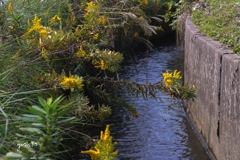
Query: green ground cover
220	20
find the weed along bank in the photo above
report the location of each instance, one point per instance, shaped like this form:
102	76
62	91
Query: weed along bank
215	70
59	81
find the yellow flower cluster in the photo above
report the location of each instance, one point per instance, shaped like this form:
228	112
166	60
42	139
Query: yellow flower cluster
93	153
105	135
91	7
103	20
42	36
54	19
95	36
9	8
170	77
102	65
37	26
104	147
72	82
80	53
44	53
107	60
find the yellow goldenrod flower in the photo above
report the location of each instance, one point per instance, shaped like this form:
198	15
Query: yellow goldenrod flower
176	74
85	15
103	20
169	77
93	153
36	20
95	36
90	6
44	52
9	8
193	86
103	65
72	82
58	18
105	135
43	33
36	26
54	19
104	148
80	53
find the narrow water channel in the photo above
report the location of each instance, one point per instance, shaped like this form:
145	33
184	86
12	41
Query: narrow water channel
162	131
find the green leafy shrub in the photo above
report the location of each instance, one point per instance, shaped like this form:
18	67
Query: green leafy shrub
176	11
66	48
41	131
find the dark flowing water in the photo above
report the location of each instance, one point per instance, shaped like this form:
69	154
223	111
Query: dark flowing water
162	131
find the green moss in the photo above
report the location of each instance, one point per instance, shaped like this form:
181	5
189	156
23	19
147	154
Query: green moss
220	22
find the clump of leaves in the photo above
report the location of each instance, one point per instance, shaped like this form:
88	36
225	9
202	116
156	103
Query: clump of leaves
175	11
41	130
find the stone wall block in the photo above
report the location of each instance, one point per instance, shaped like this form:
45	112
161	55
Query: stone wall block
230	106
214	69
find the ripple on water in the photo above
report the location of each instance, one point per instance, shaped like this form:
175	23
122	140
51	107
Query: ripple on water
162	131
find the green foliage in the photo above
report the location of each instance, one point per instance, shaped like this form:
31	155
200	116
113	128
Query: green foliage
175	11
90	113
66	48
41	130
220	21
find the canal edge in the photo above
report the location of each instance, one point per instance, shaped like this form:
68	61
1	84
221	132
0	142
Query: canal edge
199	135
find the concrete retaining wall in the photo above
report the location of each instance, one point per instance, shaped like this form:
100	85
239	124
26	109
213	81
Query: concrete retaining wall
215	70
